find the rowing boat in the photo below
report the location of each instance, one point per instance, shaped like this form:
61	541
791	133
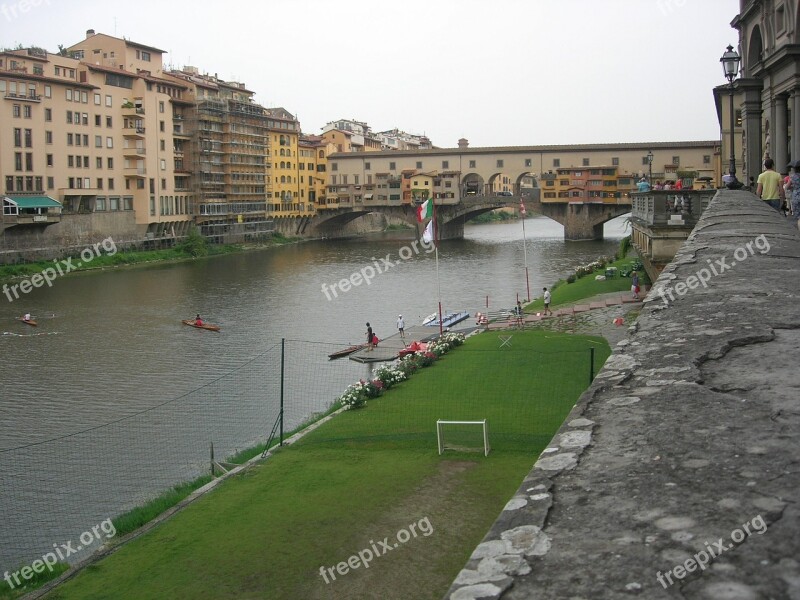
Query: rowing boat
346	351
191	323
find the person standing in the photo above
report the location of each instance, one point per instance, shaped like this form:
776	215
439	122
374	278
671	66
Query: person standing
794	187
519	314
635	285
401	325
547	298
369	338
770	185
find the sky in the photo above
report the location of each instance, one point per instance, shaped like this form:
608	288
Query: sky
496	72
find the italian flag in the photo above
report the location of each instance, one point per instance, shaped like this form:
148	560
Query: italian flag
425	211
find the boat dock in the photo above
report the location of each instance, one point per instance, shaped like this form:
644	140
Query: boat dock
388	348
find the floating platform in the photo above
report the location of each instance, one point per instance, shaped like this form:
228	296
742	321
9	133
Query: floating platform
388	348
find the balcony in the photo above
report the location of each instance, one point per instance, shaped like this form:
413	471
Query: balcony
138	171
130	110
135	131
23	97
134	151
180	132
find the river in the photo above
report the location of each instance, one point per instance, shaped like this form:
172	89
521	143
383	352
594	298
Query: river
74	448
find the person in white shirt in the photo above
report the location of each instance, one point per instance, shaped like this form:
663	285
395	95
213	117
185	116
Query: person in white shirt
27	317
547	302
401	327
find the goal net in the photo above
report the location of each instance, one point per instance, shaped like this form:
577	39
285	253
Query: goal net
464	436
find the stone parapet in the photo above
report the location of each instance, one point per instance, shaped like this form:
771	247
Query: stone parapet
676	474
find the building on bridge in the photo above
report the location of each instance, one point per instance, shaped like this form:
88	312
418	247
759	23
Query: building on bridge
587	184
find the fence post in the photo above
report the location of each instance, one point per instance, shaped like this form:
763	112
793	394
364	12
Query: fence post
591	365
283	364
212	459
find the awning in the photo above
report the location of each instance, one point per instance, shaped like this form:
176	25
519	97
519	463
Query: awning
367	196
34	201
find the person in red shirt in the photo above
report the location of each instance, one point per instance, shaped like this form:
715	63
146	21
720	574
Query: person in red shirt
198	320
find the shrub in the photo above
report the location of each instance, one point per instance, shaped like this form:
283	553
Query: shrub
571	278
389	376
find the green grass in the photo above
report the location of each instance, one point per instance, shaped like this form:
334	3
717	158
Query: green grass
586	287
38	580
133	257
363	476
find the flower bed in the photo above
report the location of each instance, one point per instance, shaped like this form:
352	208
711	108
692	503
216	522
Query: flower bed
386	376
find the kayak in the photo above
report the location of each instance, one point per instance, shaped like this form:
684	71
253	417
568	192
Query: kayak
30	322
346	351
191	323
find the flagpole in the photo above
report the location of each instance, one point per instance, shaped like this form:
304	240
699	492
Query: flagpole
525	248
436	252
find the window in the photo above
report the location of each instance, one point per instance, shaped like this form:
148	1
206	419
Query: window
127	202
113	203
392	166
366	166
334	167
585	162
419	164
70	161
48	137
161	106
98	162
69	117
85	118
528	162
110	164
109	142
163	183
445	164
15	110
48	91
615	161
108	121
163	146
152	206
17	138
100	203
500	164
111	183
163	164
18	161
645	161
51	183
108	100
472	164
706	159
161	126
97	99
145	56
69	92
49	160
69	139
676	160
26	111
556	162
99	183
98	141
28	138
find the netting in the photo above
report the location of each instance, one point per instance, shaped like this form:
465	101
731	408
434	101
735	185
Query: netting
53	490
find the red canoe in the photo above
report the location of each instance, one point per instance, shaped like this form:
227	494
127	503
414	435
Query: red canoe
191	323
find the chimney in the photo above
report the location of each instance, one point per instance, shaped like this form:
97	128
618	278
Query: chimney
463	143
89	33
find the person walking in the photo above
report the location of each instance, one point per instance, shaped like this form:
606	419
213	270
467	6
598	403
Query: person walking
401	325
547	298
635	285
770	186
519	315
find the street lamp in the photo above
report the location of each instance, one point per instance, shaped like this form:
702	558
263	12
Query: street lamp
650	166
730	66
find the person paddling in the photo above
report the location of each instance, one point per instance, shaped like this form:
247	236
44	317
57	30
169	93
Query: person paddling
198	321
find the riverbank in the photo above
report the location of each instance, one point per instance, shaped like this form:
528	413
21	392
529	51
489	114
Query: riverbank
109	256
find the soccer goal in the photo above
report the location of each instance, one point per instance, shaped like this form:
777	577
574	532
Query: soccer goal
462	435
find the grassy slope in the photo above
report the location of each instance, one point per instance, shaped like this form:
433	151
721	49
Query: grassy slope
363	476
587	286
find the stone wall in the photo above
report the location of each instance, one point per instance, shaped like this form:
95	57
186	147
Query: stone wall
676	474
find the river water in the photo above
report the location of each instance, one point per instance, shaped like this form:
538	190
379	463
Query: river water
111	399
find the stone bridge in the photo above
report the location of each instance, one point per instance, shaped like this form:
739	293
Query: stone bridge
581	220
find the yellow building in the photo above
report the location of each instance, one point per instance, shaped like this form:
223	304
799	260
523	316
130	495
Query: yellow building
311	167
597	184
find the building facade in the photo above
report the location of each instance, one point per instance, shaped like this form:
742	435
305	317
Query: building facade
767	92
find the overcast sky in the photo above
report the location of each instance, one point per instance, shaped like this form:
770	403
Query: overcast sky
497	72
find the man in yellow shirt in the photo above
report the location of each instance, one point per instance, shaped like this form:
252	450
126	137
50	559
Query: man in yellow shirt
770	185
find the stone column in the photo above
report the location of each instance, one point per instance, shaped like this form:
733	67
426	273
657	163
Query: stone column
780	141
796	124
751	122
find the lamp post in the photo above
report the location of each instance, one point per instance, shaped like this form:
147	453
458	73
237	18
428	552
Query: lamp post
650	166
730	66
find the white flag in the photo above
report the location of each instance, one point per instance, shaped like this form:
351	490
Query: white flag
427	235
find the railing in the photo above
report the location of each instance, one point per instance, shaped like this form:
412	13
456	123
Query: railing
664	208
29	97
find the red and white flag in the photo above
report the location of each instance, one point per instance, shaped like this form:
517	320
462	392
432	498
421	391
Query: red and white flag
521	208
